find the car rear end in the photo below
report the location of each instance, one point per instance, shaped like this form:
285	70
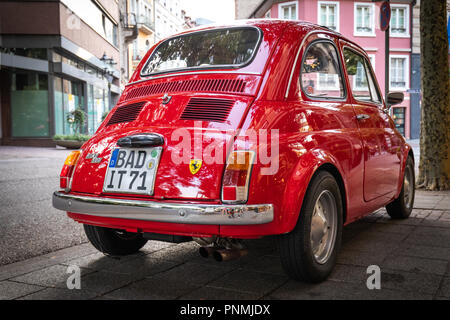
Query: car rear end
145	171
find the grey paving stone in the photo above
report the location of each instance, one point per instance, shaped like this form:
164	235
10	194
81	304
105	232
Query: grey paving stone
142	266
54	276
12	290
153	246
423	251
427	239
361	258
444	290
209	293
176	253
415	264
60	294
349	273
364	245
96	261
408	222
102	281
152	289
436	223
411	282
340	291
249	281
22	267
194	273
381	235
267	263
393	228
71	253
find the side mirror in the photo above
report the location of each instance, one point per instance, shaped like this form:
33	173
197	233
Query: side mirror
394	98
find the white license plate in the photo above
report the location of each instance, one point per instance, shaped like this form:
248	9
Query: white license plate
132	171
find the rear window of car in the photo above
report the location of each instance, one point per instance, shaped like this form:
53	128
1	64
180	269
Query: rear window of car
212	49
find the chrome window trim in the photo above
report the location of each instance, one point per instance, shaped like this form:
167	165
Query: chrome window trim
223	66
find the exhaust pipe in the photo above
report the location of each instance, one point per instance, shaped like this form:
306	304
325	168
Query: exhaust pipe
229	254
207	252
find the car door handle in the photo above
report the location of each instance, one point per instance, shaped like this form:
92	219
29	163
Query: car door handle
362	117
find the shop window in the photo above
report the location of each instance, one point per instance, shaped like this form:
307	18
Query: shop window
98	104
68	96
398	115
25	52
29	104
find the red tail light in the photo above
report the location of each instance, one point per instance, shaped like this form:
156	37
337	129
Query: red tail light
236	178
67	170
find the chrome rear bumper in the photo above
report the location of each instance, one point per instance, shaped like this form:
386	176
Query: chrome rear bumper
165	211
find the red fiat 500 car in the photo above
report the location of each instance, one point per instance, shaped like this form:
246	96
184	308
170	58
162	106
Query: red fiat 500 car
259	128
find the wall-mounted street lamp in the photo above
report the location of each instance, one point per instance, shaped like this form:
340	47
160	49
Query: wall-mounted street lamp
107	60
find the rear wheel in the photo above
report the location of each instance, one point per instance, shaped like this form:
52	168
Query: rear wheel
401	207
309	252
114	242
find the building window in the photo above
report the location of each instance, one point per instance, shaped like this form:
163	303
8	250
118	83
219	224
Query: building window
329	14
399	24
398	72
288	10
267	15
364	19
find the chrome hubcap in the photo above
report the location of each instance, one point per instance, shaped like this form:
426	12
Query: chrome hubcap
323	227
408	185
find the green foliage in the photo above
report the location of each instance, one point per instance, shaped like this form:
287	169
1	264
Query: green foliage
72	137
104	115
76	120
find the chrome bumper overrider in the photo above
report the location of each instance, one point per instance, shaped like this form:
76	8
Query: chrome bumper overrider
164	211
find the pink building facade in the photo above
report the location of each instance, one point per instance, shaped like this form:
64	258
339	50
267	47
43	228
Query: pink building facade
360	21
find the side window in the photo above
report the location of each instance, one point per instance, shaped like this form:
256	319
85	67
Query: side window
320	75
361	79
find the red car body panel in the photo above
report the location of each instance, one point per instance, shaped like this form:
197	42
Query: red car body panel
367	157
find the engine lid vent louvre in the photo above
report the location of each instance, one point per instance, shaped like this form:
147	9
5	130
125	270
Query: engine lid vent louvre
207	109
210	85
127	113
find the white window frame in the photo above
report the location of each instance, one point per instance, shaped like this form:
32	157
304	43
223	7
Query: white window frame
267	15
355	31
400	35
405	71
287	4
372	60
336	4
335	77
356	88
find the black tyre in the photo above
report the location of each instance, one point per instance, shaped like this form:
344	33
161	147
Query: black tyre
309	252
114	242
401	207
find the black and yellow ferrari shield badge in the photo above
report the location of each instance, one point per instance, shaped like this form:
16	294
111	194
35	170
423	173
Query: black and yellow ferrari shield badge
195	165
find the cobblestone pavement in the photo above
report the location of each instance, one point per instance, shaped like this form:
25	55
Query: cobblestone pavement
413	254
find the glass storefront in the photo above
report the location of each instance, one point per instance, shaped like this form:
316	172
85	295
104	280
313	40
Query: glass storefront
98	104
29	104
398	115
68	97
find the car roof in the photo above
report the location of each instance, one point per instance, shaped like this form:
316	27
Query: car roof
271	23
